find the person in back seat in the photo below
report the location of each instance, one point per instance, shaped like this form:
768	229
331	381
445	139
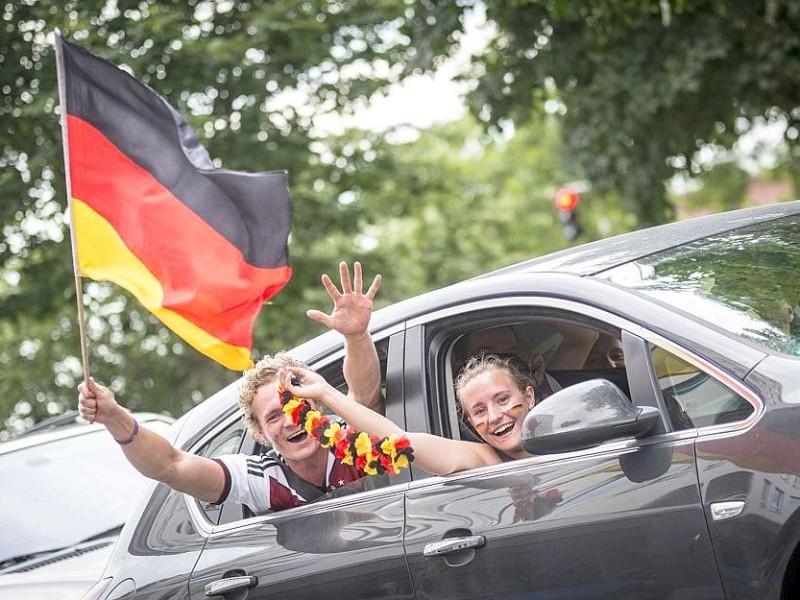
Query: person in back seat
606	353
575	344
502	342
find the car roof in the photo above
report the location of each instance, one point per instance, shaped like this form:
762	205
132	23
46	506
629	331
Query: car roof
583	260
594	257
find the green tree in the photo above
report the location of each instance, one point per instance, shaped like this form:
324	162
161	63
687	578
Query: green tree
228	67
642	85
723	187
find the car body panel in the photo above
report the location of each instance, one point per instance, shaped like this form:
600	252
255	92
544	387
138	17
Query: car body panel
569	528
761	468
316	553
64	495
65	574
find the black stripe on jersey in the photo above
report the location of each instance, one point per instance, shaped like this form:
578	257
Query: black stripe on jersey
257	465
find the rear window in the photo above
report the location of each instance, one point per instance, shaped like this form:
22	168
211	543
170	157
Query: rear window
745	281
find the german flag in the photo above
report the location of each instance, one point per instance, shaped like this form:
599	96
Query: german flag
201	248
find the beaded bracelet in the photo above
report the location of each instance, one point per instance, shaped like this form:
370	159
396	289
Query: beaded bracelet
133	435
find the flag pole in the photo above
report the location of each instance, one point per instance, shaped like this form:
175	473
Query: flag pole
62	102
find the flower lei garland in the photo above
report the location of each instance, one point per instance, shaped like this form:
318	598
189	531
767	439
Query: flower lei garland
370	454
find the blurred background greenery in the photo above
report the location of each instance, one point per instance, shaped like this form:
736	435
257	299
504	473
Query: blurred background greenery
661	110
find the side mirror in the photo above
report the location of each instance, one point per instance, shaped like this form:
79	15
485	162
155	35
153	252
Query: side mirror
583	415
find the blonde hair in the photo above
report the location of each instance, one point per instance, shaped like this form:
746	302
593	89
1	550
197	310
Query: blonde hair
482	363
265	371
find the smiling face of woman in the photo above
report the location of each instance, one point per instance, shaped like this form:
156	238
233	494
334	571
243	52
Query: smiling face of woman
496	407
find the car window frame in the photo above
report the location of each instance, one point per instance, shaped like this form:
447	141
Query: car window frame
721	376
392	383
437	365
447	330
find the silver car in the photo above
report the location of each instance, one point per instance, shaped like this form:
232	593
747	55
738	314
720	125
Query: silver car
66	492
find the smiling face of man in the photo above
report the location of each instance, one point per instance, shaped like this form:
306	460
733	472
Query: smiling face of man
290	440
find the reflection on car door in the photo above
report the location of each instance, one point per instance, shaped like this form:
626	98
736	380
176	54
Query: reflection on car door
619	523
346	548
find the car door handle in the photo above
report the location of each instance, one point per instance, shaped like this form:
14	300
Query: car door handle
451	545
720	511
226	585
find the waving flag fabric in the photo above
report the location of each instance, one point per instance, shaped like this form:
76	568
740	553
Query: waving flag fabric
199	247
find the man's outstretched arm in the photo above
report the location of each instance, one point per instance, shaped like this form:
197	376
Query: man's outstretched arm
152	455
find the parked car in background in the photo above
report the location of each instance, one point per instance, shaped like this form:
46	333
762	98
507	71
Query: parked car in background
66	492
673	473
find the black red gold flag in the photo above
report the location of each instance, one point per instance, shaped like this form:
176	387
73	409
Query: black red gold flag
201	248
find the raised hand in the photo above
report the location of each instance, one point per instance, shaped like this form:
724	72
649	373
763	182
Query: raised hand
306	384
537	367
352	308
96	403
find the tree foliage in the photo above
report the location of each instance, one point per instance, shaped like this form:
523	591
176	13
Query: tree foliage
611	92
252	78
643	84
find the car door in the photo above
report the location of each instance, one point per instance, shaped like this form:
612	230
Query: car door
346	545
342	548
620	520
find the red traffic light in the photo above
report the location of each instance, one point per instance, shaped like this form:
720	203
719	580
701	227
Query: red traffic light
567	199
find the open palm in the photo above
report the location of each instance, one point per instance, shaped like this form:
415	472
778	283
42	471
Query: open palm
352	307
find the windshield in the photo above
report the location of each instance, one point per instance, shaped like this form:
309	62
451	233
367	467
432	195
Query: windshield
61	492
745	281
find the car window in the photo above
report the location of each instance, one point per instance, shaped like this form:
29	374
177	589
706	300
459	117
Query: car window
556	351
568	351
234	438
227	441
744	281
694	398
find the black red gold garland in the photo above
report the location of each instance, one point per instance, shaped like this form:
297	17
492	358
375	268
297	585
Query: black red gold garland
370	454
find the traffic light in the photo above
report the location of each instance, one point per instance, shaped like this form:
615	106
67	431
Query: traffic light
567	200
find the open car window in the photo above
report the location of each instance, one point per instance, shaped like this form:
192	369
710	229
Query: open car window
235	438
555	350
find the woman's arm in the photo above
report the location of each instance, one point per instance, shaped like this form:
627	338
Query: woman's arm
572	353
442	456
435	454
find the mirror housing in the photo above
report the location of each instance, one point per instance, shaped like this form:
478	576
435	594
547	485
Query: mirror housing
583	415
